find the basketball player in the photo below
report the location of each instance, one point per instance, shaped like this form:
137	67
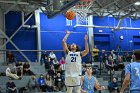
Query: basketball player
132	75
73	64
89	81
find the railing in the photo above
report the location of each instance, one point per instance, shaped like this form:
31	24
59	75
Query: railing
35	55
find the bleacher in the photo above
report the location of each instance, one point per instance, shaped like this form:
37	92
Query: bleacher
38	69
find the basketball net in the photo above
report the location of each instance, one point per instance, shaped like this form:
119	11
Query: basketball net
81	10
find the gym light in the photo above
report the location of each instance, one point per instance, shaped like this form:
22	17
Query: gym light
137	3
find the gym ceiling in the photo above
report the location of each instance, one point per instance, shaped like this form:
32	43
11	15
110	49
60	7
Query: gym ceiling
116	8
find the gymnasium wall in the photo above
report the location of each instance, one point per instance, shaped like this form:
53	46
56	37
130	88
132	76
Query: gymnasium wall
25	39
53	31
109	39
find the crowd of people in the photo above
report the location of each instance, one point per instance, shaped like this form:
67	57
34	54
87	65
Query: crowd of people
69	73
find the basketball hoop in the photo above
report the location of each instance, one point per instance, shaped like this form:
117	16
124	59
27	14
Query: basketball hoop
81	11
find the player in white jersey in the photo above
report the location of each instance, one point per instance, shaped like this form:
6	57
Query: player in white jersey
73	64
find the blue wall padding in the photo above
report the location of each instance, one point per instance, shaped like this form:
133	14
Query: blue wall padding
114	36
25	39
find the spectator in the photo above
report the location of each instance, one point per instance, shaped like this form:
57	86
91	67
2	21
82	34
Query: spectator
83	70
10	57
127	57
26	69
11	87
95	53
52	56
59	82
113	56
120	64
104	57
10	74
51	72
119	50
55	63
62	63
59	69
113	85
42	83
19	69
110	63
47	64
49	83
133	58
43	57
32	84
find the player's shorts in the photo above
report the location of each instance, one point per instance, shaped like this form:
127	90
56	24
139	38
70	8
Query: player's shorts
73	81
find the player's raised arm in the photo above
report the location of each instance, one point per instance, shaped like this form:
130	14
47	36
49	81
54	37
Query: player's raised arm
64	44
85	52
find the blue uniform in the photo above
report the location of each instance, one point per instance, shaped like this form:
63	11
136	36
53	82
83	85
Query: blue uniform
88	84
134	70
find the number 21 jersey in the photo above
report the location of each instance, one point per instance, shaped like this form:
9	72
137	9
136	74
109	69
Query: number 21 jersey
73	64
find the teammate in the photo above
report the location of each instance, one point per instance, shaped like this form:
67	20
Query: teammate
73	64
89	81
132	75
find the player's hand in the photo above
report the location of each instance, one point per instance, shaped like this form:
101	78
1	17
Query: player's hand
67	32
86	37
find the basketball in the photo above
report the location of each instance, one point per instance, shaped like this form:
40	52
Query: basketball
70	15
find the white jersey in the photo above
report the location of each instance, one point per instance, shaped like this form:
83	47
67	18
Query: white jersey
73	64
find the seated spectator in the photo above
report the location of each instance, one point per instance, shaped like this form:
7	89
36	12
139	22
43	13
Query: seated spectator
19	69
51	72
103	57
110	63
120	63
10	57
10	74
47	64
11	87
26	69
49	83
42	83
52	56
114	57
59	69
59	82
62	63
127	57
113	86
55	63
95	53
32	84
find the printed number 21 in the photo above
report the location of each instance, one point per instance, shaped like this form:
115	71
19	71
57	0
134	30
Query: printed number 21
73	59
